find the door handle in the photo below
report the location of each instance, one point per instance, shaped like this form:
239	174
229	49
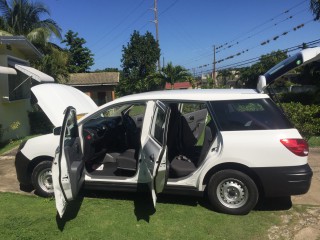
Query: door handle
151	157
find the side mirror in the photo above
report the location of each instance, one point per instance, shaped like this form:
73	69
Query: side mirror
57	131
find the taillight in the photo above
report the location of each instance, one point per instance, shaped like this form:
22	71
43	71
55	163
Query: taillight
299	147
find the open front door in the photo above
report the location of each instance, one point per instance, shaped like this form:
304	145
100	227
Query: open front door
154	150
68	166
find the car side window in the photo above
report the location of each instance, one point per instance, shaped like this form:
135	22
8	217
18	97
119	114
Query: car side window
137	110
158	125
191	107
71	126
249	114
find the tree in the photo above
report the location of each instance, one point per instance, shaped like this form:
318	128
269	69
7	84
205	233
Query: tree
224	75
80	57
249	75
172	74
54	63
315	8
139	60
108	70
23	17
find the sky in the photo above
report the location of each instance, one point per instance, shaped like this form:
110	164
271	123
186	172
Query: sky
188	29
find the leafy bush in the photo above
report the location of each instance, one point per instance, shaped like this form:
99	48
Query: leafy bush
306	118
39	123
1	132
306	98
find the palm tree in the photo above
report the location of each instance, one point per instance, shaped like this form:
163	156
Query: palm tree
172	74
22	17
315	8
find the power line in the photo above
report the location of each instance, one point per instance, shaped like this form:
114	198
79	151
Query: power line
117	36
251	30
285	33
167	9
256	59
119	24
267	28
259	25
127	39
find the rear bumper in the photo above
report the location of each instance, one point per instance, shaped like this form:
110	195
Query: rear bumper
285	181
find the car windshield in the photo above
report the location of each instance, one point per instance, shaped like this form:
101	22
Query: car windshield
117	111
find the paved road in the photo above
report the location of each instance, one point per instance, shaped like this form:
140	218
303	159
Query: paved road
9	181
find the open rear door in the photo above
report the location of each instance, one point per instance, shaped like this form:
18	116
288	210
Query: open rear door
153	164
68	166
299	59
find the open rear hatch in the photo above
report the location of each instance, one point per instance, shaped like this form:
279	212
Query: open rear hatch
302	58
55	98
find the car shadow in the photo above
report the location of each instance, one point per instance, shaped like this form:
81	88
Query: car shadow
71	212
143	205
273	204
26	188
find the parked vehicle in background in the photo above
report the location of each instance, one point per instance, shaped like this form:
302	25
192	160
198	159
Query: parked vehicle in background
233	144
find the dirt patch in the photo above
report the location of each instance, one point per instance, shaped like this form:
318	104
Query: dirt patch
303	223
9	182
299	223
312	197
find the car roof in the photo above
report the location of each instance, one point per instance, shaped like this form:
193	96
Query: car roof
195	94
185	95
190	95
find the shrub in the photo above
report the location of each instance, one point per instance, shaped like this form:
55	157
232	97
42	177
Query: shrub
306	98
39	123
306	118
1	132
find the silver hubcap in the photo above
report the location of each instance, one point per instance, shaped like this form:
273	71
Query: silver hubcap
232	193
45	180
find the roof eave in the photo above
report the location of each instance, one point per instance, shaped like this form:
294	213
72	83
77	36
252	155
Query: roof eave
23	44
92	85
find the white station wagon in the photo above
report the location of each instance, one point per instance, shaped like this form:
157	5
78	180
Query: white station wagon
233	145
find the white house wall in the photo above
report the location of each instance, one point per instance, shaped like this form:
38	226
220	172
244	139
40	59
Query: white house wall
11	112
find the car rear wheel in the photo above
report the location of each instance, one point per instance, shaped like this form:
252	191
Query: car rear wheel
42	179
232	192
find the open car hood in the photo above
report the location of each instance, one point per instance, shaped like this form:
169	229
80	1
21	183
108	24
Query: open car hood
301	58
55	98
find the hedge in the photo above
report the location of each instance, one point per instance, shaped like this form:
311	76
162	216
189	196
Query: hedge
306	118
39	123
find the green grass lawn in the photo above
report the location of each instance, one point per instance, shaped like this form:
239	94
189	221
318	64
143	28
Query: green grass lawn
314	141
7	146
125	216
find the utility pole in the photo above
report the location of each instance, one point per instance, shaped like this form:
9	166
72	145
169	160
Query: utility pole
155	9
214	80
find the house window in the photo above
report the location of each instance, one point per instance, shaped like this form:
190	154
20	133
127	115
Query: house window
19	85
18	89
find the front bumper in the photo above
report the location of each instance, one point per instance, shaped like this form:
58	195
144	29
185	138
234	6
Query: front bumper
22	164
285	181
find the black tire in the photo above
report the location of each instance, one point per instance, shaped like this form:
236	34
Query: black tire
232	192
42	179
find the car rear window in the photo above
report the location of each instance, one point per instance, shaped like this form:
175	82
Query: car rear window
249	114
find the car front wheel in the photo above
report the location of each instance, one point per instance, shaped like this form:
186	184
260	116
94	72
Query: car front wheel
42	179
232	192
